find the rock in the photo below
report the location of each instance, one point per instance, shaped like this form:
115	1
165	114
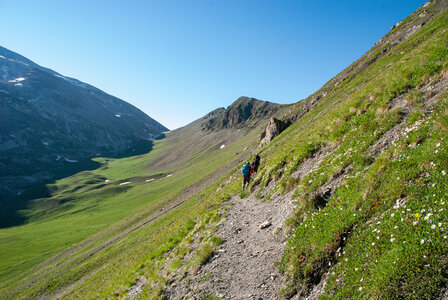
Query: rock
274	128
265	225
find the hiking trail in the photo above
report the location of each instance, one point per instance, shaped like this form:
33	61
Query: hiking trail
245	266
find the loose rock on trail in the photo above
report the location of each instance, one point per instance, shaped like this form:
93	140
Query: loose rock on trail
245	266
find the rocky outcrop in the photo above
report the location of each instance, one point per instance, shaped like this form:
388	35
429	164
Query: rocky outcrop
243	112
274	128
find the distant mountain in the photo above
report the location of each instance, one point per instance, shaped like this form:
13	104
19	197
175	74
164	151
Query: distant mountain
51	125
243	112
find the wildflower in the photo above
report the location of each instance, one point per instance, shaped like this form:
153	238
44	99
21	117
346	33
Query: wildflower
373	244
414	223
433	226
360	288
438	145
443	172
395	227
440	224
445	236
392	215
392	240
378	237
422	241
417	215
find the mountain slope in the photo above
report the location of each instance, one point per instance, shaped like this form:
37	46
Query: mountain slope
364	162
90	214
52	125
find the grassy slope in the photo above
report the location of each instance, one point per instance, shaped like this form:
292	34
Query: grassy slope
363	241
84	205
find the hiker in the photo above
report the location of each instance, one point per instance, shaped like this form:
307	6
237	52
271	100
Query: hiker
246	170
256	163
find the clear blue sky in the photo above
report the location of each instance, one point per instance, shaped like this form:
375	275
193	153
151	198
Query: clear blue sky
178	60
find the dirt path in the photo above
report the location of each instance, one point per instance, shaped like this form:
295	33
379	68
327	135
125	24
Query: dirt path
245	266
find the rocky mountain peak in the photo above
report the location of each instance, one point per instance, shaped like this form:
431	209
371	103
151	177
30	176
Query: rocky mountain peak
243	112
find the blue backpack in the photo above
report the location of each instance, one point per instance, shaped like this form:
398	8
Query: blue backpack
245	169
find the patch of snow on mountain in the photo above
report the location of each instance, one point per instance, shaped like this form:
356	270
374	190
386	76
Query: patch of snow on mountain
3	91
45	143
70	160
127	182
13	60
118	115
222	146
17	80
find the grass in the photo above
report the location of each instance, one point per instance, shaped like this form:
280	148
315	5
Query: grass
380	234
341	240
85	206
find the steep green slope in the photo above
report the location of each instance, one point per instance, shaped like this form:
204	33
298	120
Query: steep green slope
365	161
134	202
367	166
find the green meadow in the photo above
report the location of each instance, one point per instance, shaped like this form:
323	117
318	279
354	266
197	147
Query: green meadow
377	140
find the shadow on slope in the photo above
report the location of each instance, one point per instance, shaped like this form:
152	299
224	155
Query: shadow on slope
10	214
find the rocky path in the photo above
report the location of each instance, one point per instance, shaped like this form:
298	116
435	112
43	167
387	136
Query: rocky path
245	266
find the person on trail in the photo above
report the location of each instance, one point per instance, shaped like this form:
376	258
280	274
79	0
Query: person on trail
256	163
246	170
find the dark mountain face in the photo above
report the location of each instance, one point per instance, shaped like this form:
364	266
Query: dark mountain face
51	124
243	112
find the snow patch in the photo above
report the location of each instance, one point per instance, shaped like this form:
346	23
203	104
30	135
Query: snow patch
107	181
124	183
3	91
169	175
149	180
58	157
13	60
118	115
45	143
17	79
18	84
222	146
70	160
